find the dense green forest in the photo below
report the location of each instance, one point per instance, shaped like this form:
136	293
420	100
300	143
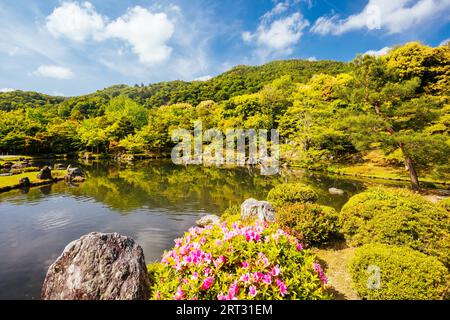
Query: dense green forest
326	112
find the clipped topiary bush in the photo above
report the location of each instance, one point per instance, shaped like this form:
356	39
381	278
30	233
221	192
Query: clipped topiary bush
311	223
444	204
397	217
235	261
398	273
288	193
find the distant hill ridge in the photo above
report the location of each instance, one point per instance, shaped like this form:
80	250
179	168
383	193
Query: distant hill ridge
237	81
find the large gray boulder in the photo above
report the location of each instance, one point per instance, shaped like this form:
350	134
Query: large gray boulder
259	210
210	219
98	266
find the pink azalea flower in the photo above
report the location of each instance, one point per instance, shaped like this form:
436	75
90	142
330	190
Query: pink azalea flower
257	276
252	236
252	292
282	286
299	247
179	295
245	278
219	261
267	279
275	271
206	272
233	291
207	283
317	267
178	242
194	276
244	264
221	296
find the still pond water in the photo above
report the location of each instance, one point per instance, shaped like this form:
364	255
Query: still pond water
153	202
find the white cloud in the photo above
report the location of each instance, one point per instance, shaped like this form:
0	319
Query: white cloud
444	42
394	16
378	53
56	72
7	89
146	32
203	78
279	35
75	21
312	59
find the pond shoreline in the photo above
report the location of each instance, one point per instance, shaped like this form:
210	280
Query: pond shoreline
31	185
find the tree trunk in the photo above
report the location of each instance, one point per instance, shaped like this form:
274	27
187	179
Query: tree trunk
412	174
409	163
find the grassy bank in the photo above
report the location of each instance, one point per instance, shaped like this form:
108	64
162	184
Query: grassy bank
13	181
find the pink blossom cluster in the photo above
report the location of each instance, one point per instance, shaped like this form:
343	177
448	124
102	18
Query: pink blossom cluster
193	258
318	268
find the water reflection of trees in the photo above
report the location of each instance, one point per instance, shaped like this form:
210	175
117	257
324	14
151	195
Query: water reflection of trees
181	189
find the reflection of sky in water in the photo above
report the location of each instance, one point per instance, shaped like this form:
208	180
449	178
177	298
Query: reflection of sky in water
154	205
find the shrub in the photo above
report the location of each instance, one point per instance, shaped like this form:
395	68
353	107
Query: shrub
288	193
232	214
397	217
404	274
444	204
234	261
311	223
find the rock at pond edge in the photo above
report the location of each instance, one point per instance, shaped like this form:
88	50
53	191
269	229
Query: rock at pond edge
98	266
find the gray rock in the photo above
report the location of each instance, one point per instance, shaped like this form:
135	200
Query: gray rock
20	165
59	166
45	173
74	172
336	191
98	266
77	179
261	210
210	219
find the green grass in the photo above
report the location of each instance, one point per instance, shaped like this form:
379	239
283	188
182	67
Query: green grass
13	180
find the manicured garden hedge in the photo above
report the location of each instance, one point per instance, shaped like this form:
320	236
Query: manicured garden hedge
288	193
311	223
388	272
397	217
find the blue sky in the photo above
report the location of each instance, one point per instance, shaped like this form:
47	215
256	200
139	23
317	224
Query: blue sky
77	47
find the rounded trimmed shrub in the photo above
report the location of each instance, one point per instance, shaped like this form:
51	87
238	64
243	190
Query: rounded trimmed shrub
397	217
310	223
288	193
444	204
383	272
237	261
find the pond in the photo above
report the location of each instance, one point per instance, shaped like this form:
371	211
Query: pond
154	202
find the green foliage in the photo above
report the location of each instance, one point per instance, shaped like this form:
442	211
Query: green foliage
397	217
404	274
310	223
326	112
234	261
288	193
444	204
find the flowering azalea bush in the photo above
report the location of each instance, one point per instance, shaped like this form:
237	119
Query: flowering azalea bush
236	261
